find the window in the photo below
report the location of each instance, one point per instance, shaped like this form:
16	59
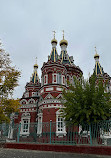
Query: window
60	124
25	123
39	128
59	78
45	79
50	77
63	80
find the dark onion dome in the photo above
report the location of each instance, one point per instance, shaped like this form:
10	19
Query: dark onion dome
63	41
54	41
35	66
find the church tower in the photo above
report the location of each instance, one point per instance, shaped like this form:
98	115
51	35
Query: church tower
100	74
29	103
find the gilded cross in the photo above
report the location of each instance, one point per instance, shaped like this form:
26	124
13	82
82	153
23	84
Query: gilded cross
54	33
36	60
63	33
95	49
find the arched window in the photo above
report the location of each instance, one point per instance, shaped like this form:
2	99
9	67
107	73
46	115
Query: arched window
60	124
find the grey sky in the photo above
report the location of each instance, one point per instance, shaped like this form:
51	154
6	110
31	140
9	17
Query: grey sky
26	31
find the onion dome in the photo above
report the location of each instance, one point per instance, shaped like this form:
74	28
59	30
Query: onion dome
96	55
35	77
53	41
54	55
98	69
63	41
35	66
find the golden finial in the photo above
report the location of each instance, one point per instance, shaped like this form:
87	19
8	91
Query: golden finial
36	60
36	63
63	33
54	33
54	40
95	49
96	55
63	41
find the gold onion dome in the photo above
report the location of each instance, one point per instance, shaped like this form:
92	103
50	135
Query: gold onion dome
96	55
35	65
54	41
62	42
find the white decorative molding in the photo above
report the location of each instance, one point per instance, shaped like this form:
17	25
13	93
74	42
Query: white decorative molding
34	94
59	96
23	100
31	100
49	89
49	96
42	90
28	106
59	89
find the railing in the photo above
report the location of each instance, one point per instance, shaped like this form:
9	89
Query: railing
56	133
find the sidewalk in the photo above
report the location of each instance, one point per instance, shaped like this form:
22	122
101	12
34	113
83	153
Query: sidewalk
18	153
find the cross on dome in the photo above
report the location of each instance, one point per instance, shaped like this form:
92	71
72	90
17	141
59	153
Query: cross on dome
96	55
54	33
63	33
54	40
35	65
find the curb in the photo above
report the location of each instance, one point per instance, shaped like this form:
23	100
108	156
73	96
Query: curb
98	150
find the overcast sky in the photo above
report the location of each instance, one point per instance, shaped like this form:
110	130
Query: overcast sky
26	31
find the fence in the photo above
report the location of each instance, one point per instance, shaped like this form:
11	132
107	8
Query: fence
54	133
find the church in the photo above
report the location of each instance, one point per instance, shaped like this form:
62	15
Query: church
41	101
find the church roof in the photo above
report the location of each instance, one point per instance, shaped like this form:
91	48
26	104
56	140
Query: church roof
54	55
65	58
98	69
35	78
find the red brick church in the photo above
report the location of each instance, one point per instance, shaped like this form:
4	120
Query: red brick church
41	101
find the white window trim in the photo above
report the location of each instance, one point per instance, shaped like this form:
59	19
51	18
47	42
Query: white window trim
62	80
39	126
63	132
22	119
53	77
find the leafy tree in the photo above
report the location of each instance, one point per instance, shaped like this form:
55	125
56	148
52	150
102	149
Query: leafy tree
86	102
8	81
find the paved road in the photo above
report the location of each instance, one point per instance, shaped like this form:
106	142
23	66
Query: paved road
18	153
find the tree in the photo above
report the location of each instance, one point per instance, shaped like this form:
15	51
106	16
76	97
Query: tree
8	81
86	102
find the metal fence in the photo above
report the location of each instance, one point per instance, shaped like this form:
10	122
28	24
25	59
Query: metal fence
54	133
